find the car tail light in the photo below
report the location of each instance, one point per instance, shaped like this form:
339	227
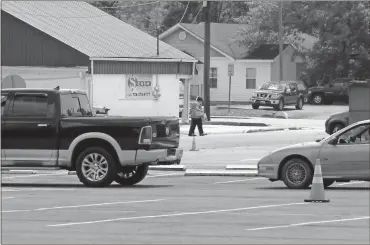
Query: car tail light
145	137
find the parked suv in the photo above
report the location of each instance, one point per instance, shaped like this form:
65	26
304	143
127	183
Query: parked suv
278	95
336	90
52	128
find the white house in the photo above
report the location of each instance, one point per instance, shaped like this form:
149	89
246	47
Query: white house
250	72
74	45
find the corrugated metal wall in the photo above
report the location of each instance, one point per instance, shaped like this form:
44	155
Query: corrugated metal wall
120	67
23	45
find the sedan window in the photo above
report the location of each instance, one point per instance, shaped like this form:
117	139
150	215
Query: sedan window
356	135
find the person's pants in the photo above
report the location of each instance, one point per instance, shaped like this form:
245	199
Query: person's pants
196	122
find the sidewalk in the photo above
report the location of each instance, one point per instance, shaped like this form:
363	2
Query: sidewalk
231	125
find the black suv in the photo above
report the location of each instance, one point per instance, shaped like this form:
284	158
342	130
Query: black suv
336	90
278	95
52	128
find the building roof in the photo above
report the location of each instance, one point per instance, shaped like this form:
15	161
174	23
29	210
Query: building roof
90	30
223	36
265	52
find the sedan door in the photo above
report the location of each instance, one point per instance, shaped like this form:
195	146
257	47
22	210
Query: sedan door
350	157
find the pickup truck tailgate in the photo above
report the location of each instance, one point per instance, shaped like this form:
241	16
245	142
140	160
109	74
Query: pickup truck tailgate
166	133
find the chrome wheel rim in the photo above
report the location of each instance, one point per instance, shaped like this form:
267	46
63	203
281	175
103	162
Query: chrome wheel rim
296	173
317	99
128	174
94	167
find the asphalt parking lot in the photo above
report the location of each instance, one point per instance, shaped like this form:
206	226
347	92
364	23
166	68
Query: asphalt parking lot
168	207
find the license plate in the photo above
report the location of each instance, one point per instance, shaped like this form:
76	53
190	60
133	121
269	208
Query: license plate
262	102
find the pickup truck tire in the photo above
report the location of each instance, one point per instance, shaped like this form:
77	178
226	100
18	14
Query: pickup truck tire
255	106
96	162
131	175
280	106
317	99
299	104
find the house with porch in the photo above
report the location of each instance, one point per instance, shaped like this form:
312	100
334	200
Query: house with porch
250	71
75	45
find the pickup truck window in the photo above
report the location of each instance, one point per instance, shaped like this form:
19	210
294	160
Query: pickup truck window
30	105
75	105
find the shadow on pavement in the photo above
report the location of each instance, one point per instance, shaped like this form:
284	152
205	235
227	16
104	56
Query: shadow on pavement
43	185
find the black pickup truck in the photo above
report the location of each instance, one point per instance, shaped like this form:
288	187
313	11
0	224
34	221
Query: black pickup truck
55	128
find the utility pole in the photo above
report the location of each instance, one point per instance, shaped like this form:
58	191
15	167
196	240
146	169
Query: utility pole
281	34
207	46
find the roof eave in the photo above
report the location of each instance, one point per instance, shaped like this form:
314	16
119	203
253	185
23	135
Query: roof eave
254	60
143	59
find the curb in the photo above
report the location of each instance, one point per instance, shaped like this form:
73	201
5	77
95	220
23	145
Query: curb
212	172
245	124
241	167
71	172
168	167
253	131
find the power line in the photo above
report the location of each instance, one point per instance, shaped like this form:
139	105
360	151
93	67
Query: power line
185	12
130	6
195	18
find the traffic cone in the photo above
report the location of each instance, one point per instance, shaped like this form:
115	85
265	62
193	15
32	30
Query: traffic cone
317	188
193	145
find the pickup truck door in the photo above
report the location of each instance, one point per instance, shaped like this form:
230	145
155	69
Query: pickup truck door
30	135
4	108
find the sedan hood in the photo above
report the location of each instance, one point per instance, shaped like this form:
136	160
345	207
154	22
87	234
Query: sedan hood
305	145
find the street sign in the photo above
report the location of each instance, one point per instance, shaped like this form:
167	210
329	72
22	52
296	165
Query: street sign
231	70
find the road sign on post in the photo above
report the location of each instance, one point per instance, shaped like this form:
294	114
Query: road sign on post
231	70
230	73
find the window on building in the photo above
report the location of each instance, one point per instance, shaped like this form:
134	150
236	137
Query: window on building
30	105
251	75
213	77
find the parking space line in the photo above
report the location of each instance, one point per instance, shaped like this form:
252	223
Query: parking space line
80	206
307	223
31	175
174	214
352	183
162	175
240	180
4	198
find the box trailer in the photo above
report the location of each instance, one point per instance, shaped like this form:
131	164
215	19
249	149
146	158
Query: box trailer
359	101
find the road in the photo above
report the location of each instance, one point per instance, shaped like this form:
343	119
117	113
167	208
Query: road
172	208
217	151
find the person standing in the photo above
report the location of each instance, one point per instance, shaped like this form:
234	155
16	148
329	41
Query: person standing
196	115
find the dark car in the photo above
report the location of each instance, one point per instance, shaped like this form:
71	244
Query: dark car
278	95
336	122
335	91
52	128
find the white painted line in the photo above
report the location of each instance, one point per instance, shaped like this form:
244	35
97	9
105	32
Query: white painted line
9	190
79	206
162	175
352	183
240	180
307	223
168	167
214	172
173	215
33	175
38	189
7	198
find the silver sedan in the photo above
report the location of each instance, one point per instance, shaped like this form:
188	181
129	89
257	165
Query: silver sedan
344	156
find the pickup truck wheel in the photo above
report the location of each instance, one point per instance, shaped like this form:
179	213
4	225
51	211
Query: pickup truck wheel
317	99
132	176
255	106
95	167
299	104
297	174
280	106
